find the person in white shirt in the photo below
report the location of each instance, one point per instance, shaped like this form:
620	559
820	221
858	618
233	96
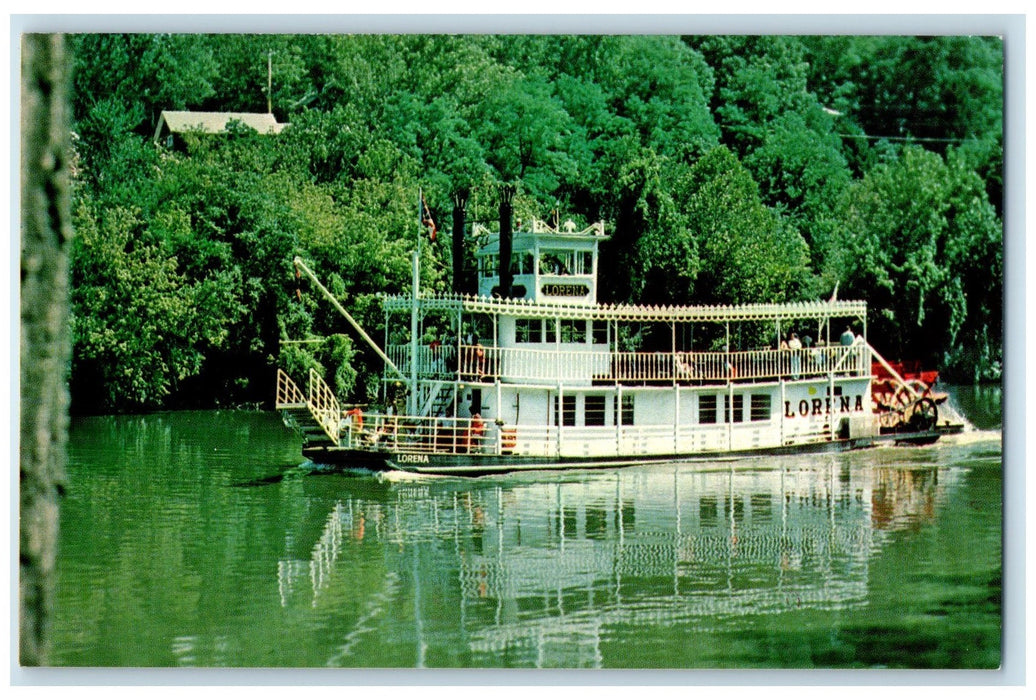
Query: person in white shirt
795	345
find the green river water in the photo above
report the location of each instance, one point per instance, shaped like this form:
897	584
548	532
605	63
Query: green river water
200	539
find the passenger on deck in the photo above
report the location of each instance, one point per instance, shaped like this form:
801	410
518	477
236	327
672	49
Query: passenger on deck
480	359
684	367
848	339
472	438
435	349
810	354
795	345
474	359
729	366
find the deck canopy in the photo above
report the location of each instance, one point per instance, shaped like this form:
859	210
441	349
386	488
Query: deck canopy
793	311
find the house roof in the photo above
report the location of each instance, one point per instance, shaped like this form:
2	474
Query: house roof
216	122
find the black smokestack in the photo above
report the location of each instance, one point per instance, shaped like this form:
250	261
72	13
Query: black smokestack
460	203
506	240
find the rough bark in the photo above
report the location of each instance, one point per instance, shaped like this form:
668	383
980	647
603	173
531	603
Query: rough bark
45	338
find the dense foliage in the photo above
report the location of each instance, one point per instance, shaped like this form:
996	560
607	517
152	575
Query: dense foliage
729	170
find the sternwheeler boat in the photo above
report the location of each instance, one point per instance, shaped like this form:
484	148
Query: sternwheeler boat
531	372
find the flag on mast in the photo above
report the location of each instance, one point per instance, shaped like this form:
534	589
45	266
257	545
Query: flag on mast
426	219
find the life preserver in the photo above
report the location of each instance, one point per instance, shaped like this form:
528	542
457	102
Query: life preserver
508	439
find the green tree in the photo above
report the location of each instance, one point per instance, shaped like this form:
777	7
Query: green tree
779	129
731	249
138	326
943	91
524	135
260	71
152	71
660	85
801	173
619	128
758	80
922	245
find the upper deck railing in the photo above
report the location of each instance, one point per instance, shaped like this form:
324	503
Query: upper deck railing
568	228
550	366
523	308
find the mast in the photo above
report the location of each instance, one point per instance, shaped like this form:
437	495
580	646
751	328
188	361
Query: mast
345	314
269	82
412	397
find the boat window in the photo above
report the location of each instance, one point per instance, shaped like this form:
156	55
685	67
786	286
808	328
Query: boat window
528	330
760	407
593	410
566	262
568	410
554	263
521	263
707	408
624	410
739	409
573	330
600	332
587	266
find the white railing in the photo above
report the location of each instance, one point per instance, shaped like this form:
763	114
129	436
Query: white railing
324	406
439	361
288	393
440	435
467	436
548	365
321	402
568	228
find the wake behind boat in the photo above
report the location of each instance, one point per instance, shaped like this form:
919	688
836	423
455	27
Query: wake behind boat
532	373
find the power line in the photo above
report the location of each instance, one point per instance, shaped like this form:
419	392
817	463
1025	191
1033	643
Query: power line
905	138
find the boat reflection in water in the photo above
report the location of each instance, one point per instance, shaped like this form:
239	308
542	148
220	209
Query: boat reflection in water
555	572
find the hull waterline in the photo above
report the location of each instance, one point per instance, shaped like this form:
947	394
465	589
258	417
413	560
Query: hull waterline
484	464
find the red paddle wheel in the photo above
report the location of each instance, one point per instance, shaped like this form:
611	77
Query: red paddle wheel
909	404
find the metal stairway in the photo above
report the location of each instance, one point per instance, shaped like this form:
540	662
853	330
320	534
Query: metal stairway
440	398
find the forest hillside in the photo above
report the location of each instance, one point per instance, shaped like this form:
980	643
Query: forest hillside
728	169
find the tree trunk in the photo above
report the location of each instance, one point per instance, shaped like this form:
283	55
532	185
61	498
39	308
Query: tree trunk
45	337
